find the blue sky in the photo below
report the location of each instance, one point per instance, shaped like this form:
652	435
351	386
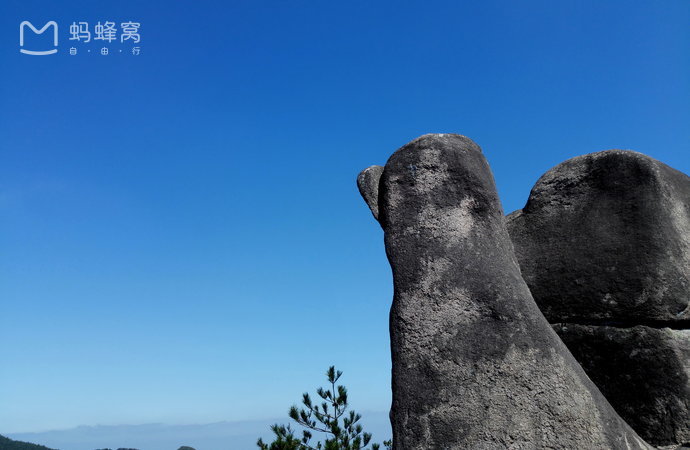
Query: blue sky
181	236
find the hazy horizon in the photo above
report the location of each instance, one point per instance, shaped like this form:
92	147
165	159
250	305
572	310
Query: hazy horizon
157	436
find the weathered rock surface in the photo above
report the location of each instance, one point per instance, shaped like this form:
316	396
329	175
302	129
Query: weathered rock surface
604	240
606	236
368	185
643	372
475	363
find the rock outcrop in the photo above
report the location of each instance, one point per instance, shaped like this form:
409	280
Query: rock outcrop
604	246
606	237
475	363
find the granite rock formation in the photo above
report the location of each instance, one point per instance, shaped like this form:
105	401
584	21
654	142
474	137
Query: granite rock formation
604	246
475	363
606	237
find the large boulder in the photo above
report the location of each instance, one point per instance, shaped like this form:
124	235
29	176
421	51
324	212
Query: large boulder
475	363
604	246
606	237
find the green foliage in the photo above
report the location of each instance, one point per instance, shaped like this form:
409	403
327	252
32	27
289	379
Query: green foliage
9	444
330	417
185	447
284	439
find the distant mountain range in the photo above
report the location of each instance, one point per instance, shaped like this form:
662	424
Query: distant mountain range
241	435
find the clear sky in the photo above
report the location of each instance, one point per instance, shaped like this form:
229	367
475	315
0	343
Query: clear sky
181	237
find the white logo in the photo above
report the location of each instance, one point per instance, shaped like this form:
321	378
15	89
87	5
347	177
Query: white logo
45	27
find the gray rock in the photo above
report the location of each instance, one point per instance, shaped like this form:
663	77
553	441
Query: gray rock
475	363
606	236
368	184
604	240
643	372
